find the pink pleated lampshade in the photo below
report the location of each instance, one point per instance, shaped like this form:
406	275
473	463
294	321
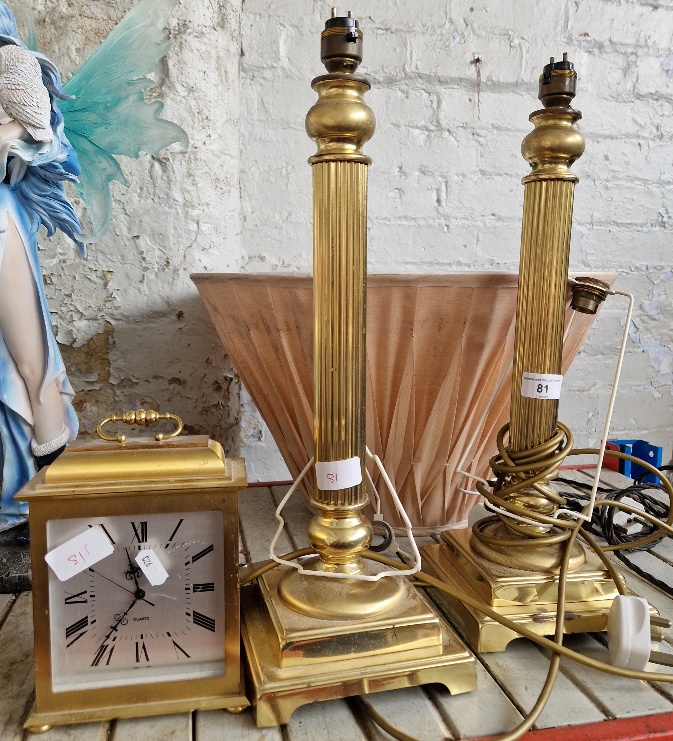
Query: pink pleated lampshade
437	346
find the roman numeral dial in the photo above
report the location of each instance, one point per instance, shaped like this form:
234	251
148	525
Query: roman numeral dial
202	554
77	629
208	587
103	654
81	598
110	625
141	652
203	621
139	532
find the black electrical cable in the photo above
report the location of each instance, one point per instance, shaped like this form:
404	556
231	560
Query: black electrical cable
603	523
387	536
645	474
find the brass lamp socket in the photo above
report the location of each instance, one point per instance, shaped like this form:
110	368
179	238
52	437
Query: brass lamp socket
558	83
341	44
588	294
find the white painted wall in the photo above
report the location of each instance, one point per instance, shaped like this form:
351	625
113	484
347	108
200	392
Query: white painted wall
133	327
445	190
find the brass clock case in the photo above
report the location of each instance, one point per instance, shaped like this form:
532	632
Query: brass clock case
102	479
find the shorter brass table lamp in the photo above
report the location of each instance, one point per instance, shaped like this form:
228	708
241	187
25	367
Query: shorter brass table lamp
512	560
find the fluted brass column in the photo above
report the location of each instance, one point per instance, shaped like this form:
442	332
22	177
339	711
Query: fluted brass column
550	149
340	123
534	435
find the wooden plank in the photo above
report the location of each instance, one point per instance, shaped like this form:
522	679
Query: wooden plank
664	549
411	711
617	697
649	563
485	711
642	588
164	727
522	670
666	688
327	721
258	524
16	668
216	725
83	732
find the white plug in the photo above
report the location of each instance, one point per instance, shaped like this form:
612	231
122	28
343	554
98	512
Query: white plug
629	632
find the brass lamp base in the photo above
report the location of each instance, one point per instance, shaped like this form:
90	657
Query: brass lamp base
526	597
294	660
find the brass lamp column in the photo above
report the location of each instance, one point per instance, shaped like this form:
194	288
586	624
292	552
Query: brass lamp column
340	122
327	634
534	436
512	560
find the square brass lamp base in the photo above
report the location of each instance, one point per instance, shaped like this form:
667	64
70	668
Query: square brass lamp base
526	597
294	660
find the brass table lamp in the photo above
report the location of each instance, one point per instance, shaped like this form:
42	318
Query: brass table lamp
312	637
512	560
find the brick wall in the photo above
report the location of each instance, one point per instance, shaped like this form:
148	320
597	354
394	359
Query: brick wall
445	190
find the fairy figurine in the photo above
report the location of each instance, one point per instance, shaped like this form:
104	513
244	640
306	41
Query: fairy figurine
52	133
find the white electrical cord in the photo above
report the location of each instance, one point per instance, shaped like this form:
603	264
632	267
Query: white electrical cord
587	513
377	498
589	509
416	566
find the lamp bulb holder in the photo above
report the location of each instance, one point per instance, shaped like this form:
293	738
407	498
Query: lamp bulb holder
558	83
341	44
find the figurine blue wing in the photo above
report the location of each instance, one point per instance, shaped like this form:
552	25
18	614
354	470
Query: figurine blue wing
109	116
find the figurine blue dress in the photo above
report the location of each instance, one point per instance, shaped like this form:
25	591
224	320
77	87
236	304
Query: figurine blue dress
109	117
31	194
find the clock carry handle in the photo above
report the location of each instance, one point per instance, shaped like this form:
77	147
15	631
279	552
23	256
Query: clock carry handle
141	418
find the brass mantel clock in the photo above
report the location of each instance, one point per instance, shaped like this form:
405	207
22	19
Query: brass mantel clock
137	611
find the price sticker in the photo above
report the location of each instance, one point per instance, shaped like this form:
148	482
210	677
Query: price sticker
541	385
79	553
152	567
333	475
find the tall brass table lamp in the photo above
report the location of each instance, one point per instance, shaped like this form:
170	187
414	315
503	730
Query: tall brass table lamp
312	636
512	560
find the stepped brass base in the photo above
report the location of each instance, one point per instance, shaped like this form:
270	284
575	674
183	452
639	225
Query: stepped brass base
526	597
293	660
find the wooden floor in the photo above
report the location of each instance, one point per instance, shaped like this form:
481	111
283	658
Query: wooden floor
508	683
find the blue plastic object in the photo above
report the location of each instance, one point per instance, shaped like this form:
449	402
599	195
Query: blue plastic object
653	454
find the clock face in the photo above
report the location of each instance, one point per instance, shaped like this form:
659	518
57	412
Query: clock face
110	626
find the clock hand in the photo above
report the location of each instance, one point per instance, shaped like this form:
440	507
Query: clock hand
137	595
133	569
122	587
113	628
